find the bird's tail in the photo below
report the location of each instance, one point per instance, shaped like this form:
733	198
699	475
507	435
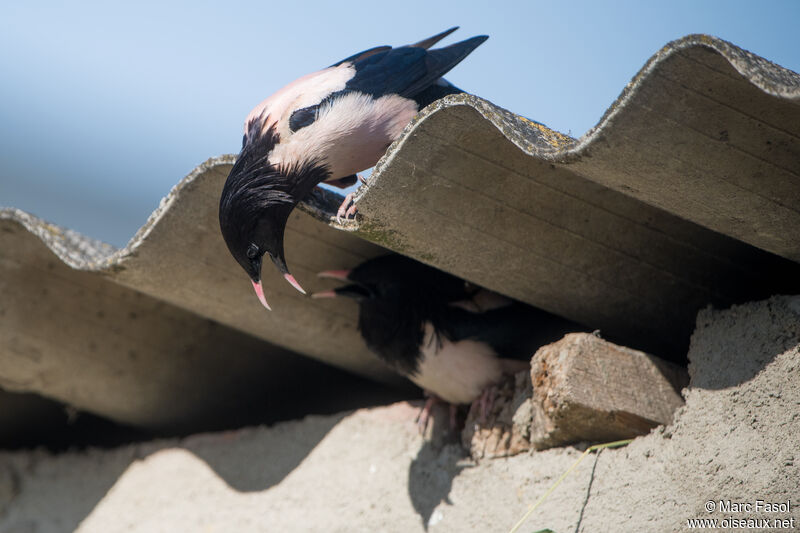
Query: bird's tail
430	41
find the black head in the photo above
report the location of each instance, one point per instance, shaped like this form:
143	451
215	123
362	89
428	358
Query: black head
256	202
396	296
398	278
399	275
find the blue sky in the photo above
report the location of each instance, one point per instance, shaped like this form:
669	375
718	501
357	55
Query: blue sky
104	107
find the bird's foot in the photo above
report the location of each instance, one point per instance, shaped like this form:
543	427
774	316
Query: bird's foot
347	210
486	401
425	415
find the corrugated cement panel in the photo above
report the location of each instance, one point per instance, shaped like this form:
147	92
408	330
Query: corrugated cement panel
630	229
677	199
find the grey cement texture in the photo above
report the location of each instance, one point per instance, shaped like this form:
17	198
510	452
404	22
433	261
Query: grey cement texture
77	328
644	216
735	439
683	195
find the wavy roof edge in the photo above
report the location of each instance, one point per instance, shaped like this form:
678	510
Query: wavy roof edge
534	138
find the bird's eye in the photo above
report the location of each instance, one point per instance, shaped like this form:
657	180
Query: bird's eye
303	117
252	251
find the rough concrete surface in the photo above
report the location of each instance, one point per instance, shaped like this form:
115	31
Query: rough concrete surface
735	439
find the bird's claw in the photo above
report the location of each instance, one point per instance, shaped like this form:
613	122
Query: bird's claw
347	210
424	415
486	402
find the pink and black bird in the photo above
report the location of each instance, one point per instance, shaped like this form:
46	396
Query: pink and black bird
452	338
325	127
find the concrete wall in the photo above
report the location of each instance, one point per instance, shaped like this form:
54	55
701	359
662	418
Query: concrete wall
369	470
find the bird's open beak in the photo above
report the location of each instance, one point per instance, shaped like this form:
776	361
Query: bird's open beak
324	294
280	262
288	277
260	289
354	291
260	293
341	275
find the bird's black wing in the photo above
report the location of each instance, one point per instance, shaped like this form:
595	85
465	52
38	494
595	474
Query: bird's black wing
363	55
425	43
407	70
514	331
440	61
430	41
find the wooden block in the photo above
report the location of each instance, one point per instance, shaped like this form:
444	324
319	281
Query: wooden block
583	389
588	389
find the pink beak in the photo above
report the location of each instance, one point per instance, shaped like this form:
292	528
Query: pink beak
260	293
324	294
294	283
341	275
260	289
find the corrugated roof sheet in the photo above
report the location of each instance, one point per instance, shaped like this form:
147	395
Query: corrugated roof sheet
632	228
685	194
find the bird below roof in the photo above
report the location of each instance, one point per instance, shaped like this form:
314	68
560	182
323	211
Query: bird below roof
325	127
452	338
